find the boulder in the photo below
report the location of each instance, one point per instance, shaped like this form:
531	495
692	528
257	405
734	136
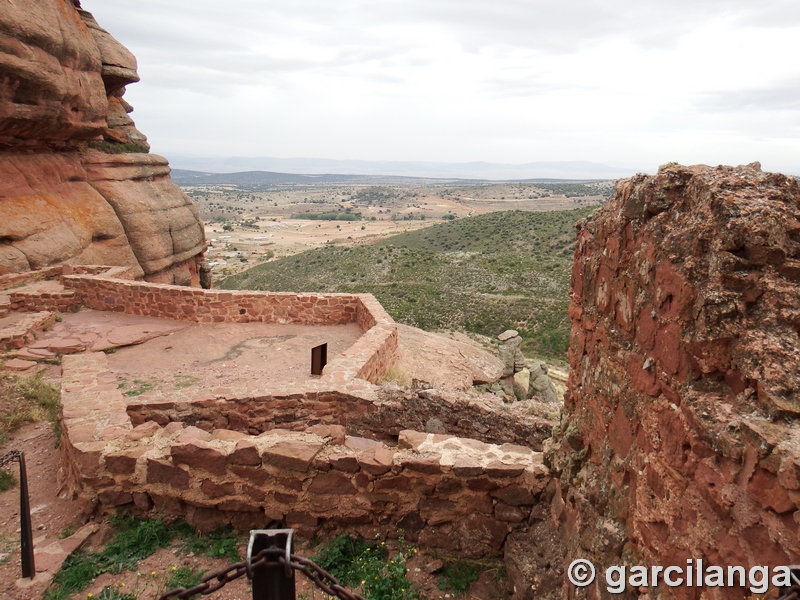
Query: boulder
510	353
541	385
522	384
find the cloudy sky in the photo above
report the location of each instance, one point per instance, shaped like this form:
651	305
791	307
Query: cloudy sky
622	82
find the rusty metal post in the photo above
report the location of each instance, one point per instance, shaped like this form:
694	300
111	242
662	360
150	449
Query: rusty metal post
319	358
271	582
26	534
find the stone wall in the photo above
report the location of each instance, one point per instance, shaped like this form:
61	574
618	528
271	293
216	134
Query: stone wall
32	301
679	438
368	358
213	306
445	492
11	280
484	417
381	415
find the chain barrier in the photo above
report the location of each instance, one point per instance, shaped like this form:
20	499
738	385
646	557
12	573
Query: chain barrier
793	593
269	557
9	457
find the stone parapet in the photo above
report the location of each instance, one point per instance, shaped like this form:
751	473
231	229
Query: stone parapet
446	492
369	358
11	280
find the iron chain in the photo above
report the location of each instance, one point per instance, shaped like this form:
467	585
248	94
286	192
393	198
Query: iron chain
792	594
10	457
269	557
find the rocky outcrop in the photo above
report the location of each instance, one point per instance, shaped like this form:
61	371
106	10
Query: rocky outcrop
77	184
679	438
443	362
534	381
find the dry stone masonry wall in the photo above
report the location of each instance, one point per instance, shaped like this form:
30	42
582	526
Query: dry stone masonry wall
679	438
446	492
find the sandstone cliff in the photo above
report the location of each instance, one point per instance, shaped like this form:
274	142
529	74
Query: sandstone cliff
77	183
680	437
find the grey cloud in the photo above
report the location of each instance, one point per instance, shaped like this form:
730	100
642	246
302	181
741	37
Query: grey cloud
780	96
542	25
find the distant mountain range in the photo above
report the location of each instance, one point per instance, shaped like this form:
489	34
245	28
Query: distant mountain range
560	171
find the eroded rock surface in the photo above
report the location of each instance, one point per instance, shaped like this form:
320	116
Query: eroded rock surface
444	362
680	436
77	183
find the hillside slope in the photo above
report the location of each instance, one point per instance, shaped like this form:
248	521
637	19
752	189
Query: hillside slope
482	274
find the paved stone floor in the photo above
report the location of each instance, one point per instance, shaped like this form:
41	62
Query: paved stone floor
202	359
163	359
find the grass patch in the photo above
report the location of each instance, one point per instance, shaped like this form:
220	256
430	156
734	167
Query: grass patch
485	274
222	543
458	575
140	387
7	480
134	540
8	544
396	375
111	592
185	381
367	566
184	577
27	400
68	530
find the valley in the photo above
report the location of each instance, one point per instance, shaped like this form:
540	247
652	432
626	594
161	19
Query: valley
252	219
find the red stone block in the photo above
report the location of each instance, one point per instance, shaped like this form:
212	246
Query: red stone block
430	464
642	379
668	347
124	462
217	490
164	472
245	453
332	483
344	462
114	498
765	489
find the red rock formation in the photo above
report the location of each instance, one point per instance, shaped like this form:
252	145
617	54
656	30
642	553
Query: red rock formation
76	182
679	438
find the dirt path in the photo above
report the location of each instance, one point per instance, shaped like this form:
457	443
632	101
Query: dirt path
51	514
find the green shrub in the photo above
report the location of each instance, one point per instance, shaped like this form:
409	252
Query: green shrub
7	480
367	566
221	543
134	540
458	575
